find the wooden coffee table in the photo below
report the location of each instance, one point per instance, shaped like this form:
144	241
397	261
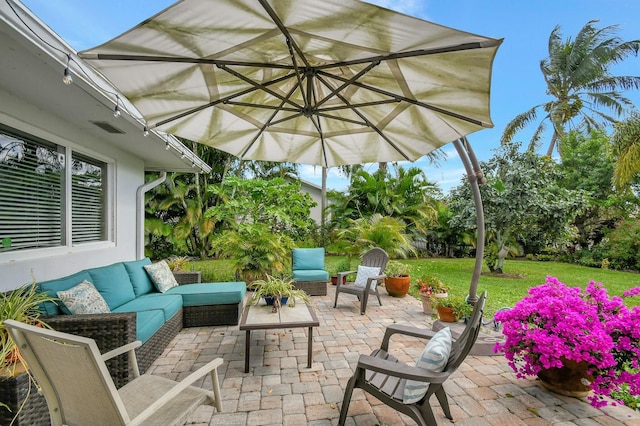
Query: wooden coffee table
261	317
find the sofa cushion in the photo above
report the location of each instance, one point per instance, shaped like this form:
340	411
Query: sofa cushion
308	258
167	303
139	278
113	283
51	287
310	275
83	299
210	293
161	275
148	323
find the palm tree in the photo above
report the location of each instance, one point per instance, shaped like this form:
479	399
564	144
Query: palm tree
578	77
626	147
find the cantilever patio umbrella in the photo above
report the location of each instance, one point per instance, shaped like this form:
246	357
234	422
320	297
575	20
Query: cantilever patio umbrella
326	83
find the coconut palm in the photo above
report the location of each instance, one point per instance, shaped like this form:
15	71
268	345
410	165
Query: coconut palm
578	77
626	147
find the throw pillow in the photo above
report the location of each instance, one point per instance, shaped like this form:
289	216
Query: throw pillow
434	357
364	273
83	299
161	276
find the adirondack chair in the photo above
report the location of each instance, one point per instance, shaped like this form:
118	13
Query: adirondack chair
362	288
384	376
79	390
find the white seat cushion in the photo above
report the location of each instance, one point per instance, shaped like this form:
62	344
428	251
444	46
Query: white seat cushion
364	273
434	357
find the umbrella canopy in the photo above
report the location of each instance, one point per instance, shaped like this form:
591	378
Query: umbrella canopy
326	83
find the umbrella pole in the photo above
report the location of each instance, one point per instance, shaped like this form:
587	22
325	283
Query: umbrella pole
323	205
474	173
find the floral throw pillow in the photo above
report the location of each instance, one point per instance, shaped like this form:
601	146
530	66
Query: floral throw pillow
161	276
83	299
434	357
364	273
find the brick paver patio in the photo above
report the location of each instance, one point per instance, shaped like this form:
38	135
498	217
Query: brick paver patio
280	390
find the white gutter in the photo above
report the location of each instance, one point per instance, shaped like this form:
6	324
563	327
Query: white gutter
140	212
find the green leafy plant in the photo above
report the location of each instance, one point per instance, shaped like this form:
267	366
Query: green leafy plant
458	305
178	263
20	305
342	266
278	287
397	269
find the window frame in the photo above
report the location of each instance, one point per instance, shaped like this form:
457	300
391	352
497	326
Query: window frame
8	125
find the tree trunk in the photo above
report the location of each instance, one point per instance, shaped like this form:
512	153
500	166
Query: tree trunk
502	255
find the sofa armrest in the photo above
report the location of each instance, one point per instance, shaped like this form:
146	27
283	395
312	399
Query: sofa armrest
110	331
192	277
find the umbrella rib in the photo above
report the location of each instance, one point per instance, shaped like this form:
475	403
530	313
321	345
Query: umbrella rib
216	102
259	86
178	59
368	123
248	104
412	53
346	120
360	105
276	19
408	100
348	82
267	123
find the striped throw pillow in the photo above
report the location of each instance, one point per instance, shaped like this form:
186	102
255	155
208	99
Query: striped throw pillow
434	357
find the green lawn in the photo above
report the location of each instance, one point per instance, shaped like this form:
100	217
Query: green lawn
456	273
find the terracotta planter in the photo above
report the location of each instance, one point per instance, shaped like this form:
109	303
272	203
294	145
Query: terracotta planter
397	286
427	305
334	279
569	380
446	314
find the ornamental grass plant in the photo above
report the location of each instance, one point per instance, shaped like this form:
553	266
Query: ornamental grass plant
556	323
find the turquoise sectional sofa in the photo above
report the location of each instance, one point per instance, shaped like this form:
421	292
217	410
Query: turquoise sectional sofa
140	312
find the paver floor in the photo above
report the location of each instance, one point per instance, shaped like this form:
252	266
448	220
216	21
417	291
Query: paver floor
280	390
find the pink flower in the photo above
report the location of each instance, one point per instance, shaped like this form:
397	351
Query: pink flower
555	323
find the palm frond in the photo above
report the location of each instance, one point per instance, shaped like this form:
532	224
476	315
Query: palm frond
518	123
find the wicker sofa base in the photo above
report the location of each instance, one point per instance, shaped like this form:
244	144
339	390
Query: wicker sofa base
313	288
203	316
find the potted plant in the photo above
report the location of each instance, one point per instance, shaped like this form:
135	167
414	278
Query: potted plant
342	266
575	341
452	308
179	266
20	403
430	287
278	289
398	280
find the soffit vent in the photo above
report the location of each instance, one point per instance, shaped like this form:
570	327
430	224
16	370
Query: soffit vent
107	127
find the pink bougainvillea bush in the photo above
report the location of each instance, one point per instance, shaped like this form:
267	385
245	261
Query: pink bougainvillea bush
556	322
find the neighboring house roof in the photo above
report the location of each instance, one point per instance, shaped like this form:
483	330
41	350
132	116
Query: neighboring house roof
33	63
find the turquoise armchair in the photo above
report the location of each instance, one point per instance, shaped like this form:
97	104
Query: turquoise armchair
308	270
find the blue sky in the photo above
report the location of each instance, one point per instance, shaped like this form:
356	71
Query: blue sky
517	83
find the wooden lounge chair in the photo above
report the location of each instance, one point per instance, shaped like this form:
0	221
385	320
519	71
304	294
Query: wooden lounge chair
376	257
384	377
79	390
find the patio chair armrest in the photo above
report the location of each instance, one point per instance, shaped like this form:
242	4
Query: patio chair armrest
211	367
399	369
345	273
130	350
405	330
122	349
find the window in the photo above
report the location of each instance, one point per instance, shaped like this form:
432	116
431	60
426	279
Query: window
42	203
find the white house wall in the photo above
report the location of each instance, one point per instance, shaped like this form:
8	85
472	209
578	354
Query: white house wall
126	174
